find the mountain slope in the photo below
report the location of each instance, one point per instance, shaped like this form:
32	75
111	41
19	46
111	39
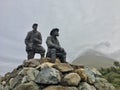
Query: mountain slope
93	58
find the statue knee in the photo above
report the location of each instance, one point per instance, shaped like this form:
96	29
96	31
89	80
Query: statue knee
42	52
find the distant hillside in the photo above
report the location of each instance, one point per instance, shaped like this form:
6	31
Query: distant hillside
94	58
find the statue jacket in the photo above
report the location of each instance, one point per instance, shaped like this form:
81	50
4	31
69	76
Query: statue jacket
52	42
33	39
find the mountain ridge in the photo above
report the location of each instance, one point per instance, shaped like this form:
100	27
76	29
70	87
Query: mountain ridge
94	58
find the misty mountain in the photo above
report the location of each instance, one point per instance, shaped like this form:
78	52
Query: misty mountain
115	55
94	58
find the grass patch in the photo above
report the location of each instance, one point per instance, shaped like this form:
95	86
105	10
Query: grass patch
112	74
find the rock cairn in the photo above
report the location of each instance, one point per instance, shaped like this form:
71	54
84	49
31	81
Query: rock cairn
41	74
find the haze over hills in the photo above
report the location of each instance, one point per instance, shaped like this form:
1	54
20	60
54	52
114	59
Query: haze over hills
108	50
115	55
94	58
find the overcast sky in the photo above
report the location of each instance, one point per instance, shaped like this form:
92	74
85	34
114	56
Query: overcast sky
82	24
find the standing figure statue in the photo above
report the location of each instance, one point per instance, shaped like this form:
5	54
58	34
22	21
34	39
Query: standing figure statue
33	43
54	48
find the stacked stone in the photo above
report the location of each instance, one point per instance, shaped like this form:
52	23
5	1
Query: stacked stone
38	74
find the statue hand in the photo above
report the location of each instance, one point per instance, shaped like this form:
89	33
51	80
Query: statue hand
35	39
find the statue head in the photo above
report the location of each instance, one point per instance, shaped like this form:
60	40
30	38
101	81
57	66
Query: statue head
34	26
54	32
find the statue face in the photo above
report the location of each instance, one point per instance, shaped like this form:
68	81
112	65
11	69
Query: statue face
56	33
35	28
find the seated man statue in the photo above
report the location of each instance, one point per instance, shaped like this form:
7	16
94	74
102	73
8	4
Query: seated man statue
33	43
54	48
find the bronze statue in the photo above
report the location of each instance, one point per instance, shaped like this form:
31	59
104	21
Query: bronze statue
33	43
54	48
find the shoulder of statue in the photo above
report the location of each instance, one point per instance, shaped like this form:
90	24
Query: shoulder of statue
29	32
49	37
38	32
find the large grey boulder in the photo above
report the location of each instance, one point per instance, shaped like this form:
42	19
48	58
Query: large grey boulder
90	75
29	74
27	86
86	86
48	75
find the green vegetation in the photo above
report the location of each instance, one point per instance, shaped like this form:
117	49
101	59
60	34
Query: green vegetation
112	74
